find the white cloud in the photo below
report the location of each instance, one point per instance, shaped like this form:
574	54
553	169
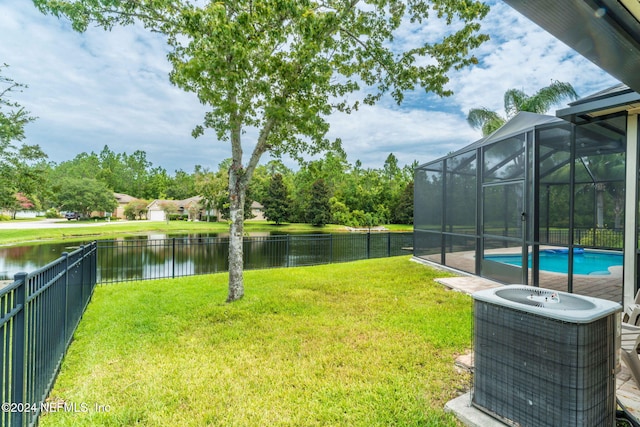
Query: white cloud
521	55
111	88
373	132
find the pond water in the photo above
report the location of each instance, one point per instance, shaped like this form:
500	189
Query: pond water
160	255
15	259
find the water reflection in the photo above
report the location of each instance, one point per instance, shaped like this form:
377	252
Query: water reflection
15	259
161	256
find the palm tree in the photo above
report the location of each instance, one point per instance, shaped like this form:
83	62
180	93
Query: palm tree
516	100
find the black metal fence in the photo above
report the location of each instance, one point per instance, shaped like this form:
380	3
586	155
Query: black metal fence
39	313
123	260
599	238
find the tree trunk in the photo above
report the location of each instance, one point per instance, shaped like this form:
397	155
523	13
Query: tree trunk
236	237
239	178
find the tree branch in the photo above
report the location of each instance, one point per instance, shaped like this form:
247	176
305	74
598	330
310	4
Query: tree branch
260	148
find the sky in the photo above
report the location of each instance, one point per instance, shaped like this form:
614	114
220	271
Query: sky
111	88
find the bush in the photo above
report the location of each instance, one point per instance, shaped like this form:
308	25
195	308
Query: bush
5	218
51	213
602	238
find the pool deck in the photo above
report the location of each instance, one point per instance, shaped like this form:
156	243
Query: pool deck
627	390
607	287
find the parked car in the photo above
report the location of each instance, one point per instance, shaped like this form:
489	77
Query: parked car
71	215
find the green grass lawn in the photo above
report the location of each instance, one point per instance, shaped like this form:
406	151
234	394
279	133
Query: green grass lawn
115	228
368	343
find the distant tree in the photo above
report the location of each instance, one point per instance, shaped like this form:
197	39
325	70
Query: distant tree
212	187
85	195
277	202
262	178
193	210
403	210
82	165
169	208
319	212
136	209
22	170
21	203
137	171
516	100
183	186
339	212
157	184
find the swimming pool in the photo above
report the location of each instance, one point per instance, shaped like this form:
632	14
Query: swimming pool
587	262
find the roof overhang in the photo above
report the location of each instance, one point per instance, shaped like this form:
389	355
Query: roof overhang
607	32
609	102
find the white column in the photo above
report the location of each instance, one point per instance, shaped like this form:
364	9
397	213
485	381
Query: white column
630	210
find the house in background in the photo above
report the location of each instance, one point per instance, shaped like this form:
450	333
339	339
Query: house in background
189	207
123	200
193	210
257	211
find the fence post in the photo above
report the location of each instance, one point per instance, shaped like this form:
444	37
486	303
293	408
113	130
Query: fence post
66	292
369	244
173	257
388	244
94	264
330	248
287	248
18	378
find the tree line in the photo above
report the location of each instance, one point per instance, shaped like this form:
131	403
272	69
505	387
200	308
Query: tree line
322	191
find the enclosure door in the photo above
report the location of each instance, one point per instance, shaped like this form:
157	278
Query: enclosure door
504	250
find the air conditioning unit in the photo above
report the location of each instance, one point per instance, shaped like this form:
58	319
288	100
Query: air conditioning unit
545	358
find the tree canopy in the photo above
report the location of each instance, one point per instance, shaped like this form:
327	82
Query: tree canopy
281	67
84	195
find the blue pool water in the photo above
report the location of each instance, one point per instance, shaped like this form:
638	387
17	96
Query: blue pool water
587	262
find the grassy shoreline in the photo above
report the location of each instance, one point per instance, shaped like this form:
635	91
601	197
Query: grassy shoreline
366	343
132	228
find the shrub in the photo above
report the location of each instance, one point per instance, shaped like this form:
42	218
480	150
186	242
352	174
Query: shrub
602	238
178	217
51	213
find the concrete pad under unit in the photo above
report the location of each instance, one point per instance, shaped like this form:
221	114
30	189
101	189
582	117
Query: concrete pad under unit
469	415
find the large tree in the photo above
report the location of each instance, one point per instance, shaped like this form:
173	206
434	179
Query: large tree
85	195
515	100
282	66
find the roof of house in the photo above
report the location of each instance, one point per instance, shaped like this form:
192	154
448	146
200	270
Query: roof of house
123	199
612	100
185	203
